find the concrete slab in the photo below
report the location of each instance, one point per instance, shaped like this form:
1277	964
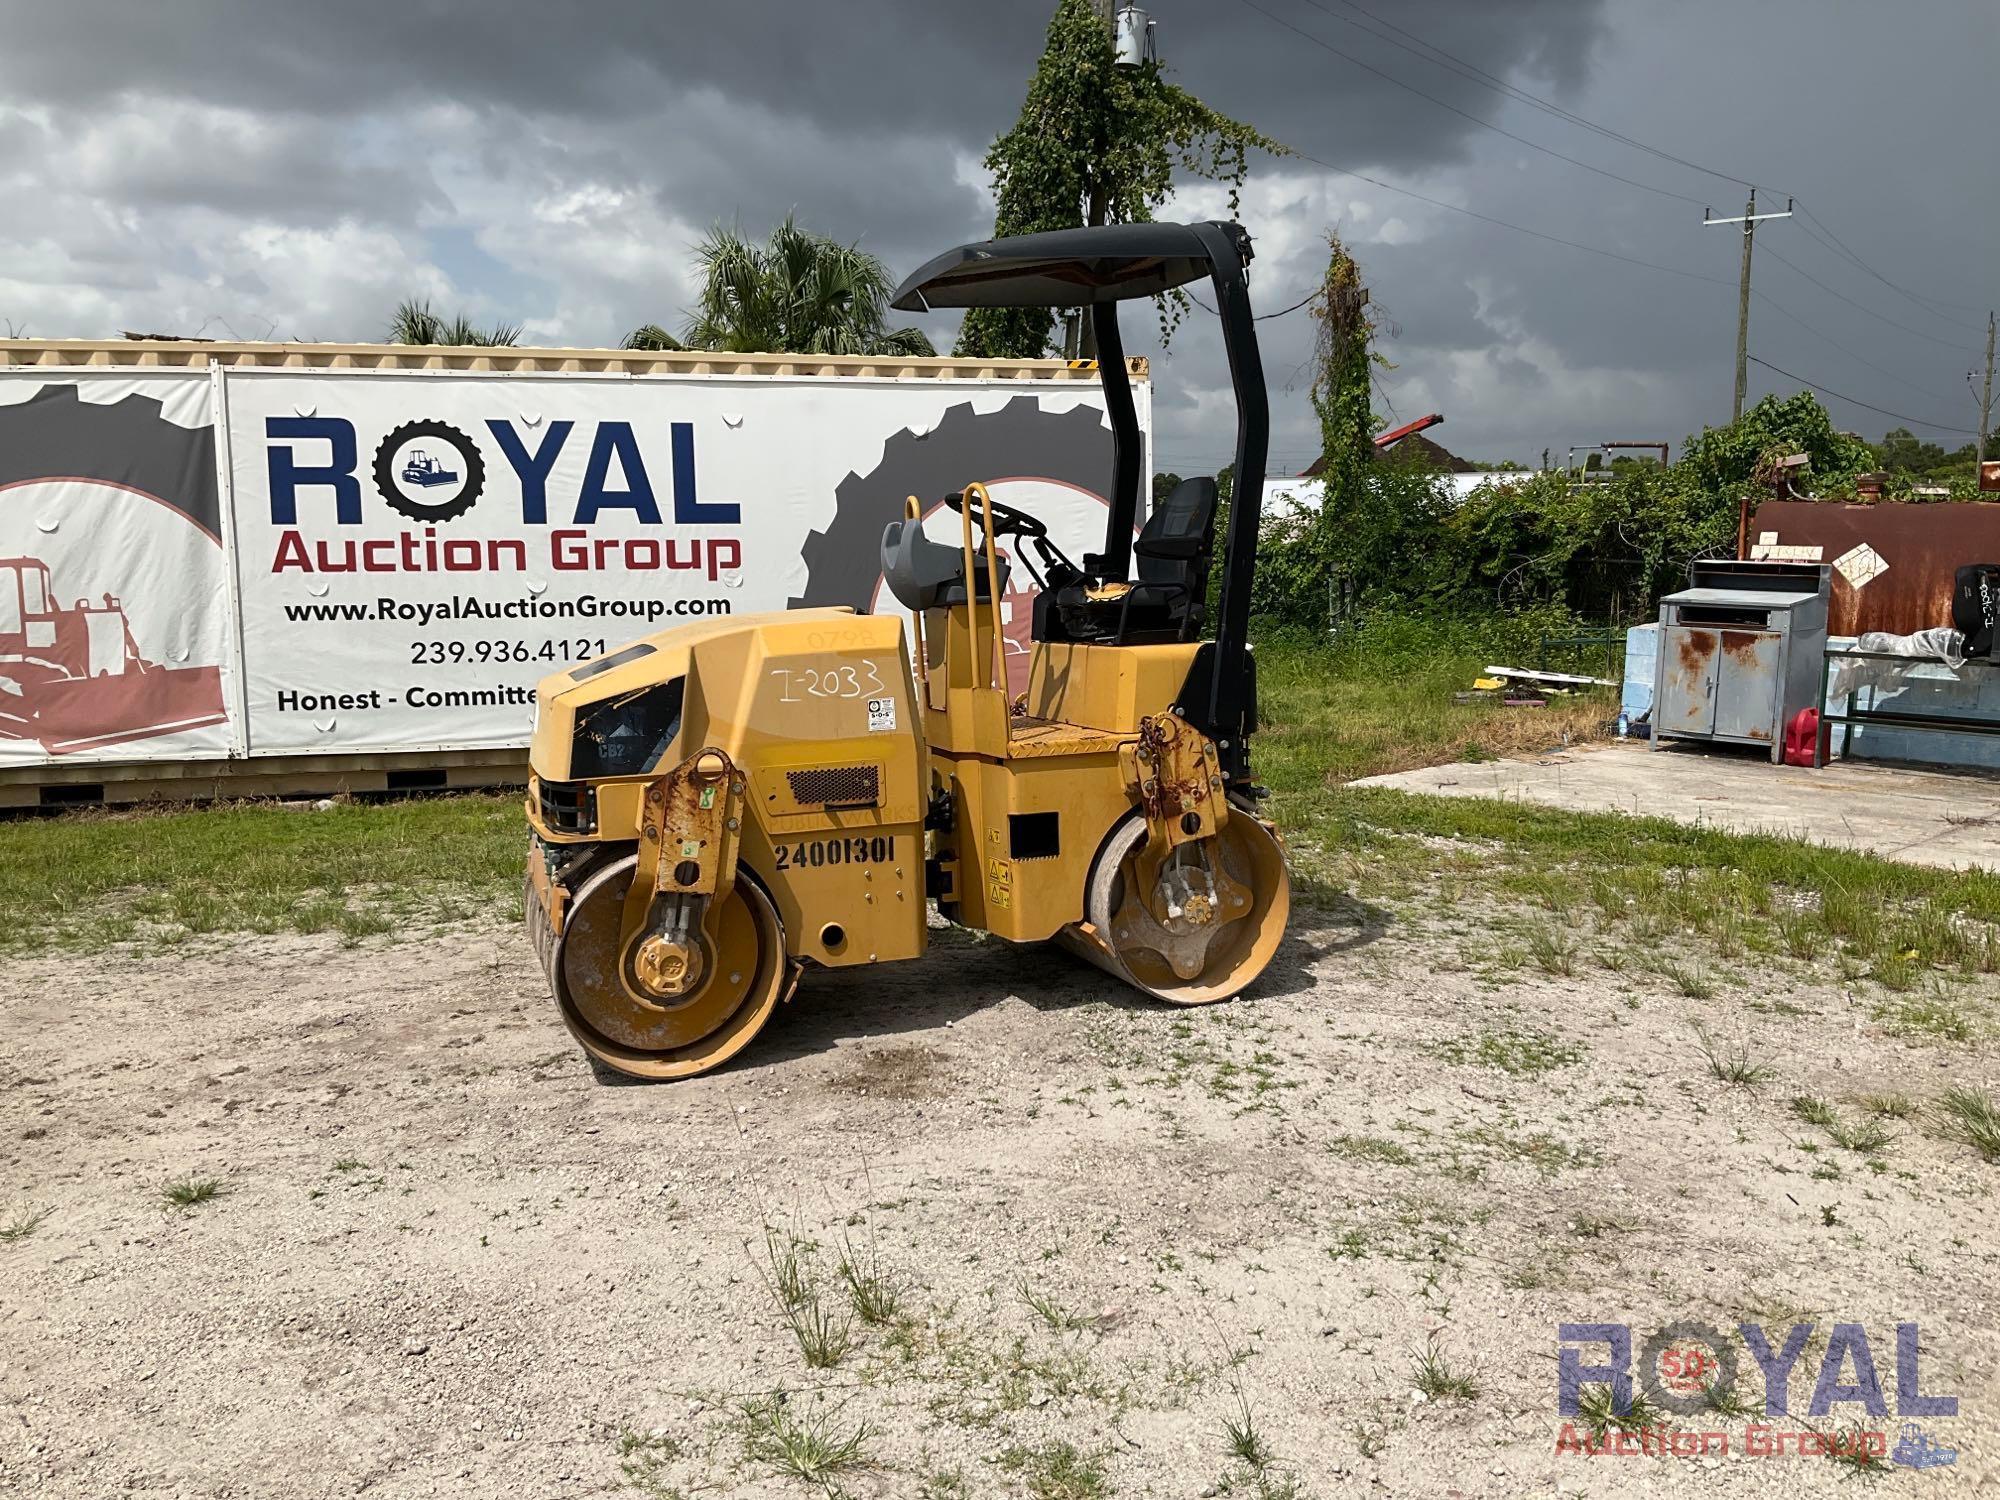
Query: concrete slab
1922	817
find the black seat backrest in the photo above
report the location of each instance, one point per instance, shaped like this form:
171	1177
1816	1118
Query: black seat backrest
1178	538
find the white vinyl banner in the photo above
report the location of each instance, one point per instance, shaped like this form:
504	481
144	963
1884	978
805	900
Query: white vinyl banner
415	550
115	633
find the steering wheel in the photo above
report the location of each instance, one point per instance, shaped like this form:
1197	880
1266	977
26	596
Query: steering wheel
1007	521
1056	569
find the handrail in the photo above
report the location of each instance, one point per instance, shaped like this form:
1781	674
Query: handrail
995	658
913	510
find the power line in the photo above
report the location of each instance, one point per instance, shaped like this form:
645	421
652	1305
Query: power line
1261	317
1760	296
1500	86
1919	299
1478	75
1959	348
1553	239
1464	114
1779	307
1821	390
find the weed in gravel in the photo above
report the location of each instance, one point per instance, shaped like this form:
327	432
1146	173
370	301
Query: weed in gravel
1547	1153
1371	1148
187	1193
784	1268
1274	1483
1853	915
1935	1015
1896	971
1731	1062
22	1225
1856	1447
1814	1111
823	1336
1437	1379
1728	1400
1690	979
943	1484
813	1446
1239	1431
1596	1407
1865	1139
1057	1471
1609	897
1801	933
1352	1245
1727	930
643	1458
872	1292
1972	1117
1889	1106
1552	952
1522	1053
1050	1311
1593	1227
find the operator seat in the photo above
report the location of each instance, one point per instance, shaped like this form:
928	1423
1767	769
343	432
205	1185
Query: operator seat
924	574
1166	599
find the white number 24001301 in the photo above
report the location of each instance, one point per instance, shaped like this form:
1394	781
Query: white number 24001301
860	679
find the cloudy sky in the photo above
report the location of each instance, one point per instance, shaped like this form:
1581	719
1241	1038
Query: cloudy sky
289	171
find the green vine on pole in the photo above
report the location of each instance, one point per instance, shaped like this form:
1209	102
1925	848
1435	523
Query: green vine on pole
1097	143
1342	361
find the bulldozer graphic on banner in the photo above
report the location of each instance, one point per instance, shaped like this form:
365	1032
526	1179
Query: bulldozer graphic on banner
422	469
74	678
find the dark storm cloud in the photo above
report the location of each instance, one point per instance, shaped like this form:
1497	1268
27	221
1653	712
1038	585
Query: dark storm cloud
173	161
946	72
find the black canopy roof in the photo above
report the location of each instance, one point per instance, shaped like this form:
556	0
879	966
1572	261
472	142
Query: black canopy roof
1067	267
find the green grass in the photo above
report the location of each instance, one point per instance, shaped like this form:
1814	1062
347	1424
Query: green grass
810	1445
1330	716
1436	1378
1972	1117
1053	1314
91	879
1594	1406
1386	704
1697	905
1371	1148
1240	1434
1520	1052
21	1226
872	1292
1731	1062
190	1192
1057	1471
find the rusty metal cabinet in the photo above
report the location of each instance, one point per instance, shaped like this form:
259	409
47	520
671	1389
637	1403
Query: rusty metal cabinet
1740	652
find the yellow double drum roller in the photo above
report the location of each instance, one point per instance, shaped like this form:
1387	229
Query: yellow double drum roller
717	808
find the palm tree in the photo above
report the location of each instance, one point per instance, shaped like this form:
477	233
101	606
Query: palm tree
415	323
797	293
651	336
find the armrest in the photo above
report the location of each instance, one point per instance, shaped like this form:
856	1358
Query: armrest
1170	547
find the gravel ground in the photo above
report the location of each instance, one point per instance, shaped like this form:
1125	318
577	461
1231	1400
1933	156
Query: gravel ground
449	1259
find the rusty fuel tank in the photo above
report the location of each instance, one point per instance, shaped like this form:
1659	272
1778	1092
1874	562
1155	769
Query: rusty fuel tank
1921	547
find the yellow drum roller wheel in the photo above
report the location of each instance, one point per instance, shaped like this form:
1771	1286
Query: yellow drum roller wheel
1228	901
602	986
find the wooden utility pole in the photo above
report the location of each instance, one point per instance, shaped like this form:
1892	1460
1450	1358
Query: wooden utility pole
1986	394
1751	218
